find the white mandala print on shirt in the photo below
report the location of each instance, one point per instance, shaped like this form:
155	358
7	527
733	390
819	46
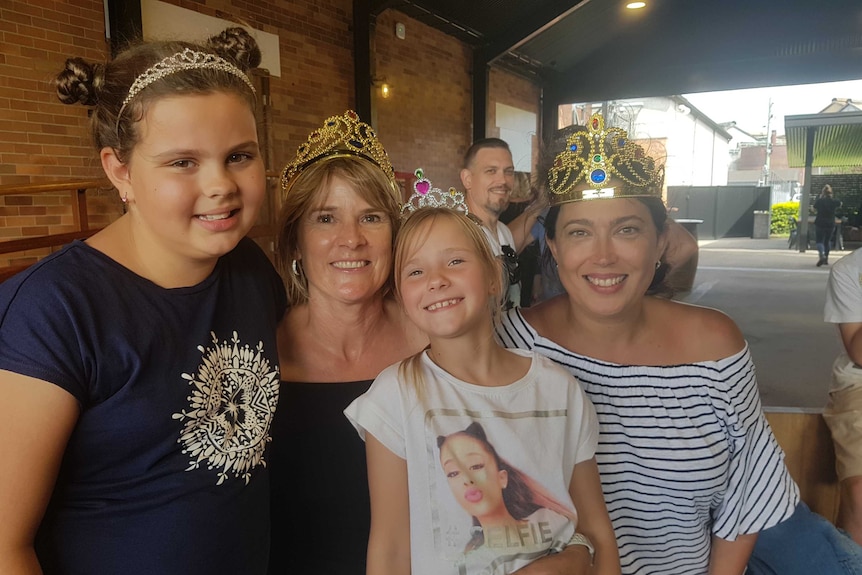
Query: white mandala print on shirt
231	405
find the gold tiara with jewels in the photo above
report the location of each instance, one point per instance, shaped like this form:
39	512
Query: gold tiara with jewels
426	196
343	135
593	158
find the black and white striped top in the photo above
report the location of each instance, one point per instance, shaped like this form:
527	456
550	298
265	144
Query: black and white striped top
684	453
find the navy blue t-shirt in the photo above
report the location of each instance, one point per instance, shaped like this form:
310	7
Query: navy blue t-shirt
164	471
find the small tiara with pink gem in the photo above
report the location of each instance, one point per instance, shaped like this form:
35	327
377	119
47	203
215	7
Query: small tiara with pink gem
595	156
426	196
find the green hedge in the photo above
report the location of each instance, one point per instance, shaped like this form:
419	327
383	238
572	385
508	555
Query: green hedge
781	214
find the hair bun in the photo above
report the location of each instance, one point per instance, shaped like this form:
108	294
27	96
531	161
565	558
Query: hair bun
77	83
238	46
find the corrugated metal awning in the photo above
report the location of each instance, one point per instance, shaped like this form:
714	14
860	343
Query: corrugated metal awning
837	139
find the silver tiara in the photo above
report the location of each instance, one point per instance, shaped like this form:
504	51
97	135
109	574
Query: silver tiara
188	59
425	196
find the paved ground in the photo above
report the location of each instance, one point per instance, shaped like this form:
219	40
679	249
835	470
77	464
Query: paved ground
776	296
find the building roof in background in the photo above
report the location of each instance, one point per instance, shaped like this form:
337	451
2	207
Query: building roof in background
842	105
719	128
837	139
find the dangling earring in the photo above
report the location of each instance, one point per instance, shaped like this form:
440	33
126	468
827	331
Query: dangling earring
125	198
295	267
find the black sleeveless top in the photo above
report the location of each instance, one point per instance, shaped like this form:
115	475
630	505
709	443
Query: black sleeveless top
320	509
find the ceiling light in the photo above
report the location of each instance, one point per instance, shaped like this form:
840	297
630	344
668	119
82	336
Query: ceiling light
635	5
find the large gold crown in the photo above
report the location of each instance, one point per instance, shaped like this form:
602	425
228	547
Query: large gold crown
595	156
343	135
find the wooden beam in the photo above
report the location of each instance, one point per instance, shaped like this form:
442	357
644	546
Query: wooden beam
27	189
362	81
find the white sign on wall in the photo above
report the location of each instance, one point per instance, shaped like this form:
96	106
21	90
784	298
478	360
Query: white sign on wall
163	21
517	127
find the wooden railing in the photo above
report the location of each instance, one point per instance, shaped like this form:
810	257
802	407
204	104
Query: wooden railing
78	192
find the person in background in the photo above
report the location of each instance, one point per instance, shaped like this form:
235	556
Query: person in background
546	282
692	476
523	203
139	368
843	413
824	223
488	176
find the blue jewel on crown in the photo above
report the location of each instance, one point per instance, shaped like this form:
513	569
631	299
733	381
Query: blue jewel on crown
598	176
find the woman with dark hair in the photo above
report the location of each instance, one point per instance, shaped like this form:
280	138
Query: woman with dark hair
690	470
680	252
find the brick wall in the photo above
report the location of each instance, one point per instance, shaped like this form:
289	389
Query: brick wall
41	139
845	187
316	43
507	88
426	122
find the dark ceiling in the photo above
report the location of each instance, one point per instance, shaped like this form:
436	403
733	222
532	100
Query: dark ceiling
597	50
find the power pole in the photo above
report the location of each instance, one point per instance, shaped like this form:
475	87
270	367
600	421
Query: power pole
766	174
